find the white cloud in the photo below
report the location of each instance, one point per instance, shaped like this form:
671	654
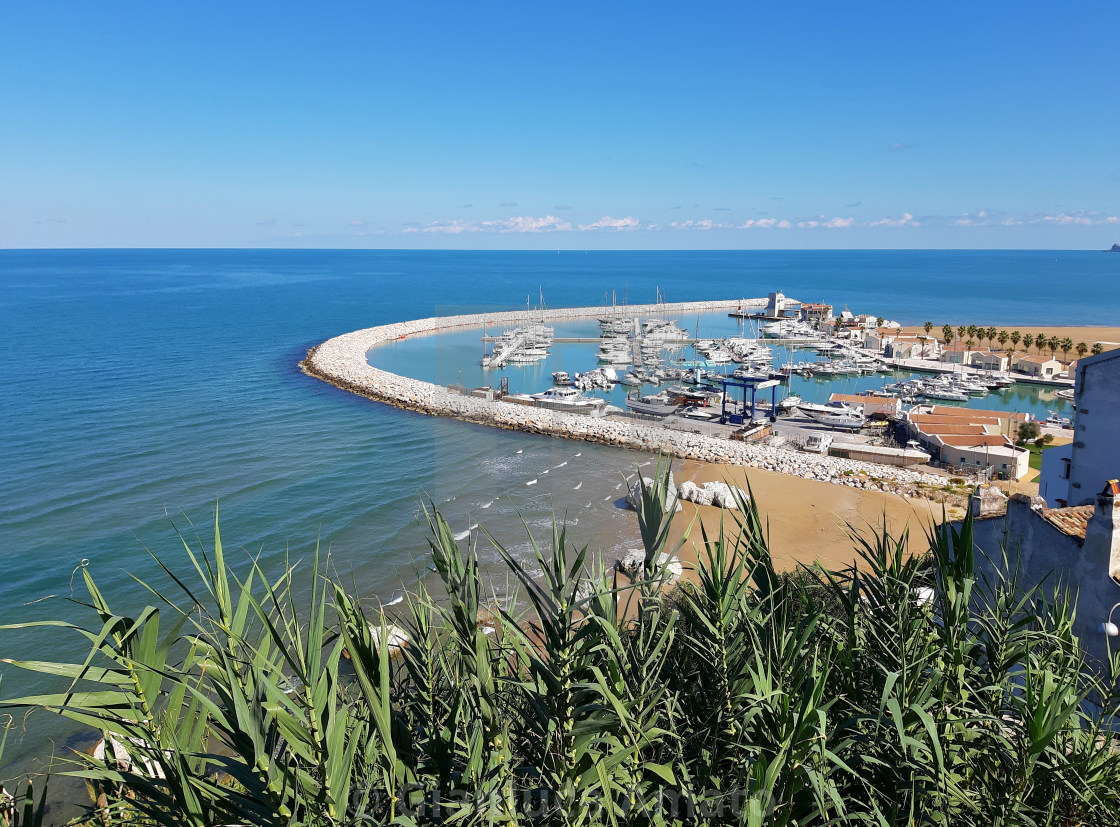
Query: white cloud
696	224
998	218
1065	219
517	224
608	223
906	220
838	223
446	227
527	224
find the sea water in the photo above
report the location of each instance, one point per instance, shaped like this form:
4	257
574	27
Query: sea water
143	390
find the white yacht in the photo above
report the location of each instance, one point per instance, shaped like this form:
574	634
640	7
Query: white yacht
563	399
834	414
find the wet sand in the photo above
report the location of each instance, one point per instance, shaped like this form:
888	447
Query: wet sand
807	519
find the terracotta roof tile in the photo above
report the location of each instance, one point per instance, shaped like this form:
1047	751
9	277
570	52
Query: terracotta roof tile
1071	521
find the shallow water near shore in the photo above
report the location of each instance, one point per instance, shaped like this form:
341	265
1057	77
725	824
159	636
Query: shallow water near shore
143	388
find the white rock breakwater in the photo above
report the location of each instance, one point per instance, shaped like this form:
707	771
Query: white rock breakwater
342	362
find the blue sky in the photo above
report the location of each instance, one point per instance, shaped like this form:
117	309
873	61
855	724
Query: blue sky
576	126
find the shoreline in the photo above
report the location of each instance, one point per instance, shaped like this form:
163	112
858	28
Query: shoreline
341	361
1089	334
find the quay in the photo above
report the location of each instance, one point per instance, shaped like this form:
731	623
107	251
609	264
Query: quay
592	340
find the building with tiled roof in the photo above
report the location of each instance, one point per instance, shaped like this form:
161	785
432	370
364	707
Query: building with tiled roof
970	440
1036	366
1075	548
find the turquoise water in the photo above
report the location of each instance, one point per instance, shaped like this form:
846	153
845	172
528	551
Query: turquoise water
143	387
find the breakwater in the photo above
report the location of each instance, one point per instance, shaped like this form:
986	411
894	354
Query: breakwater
342	362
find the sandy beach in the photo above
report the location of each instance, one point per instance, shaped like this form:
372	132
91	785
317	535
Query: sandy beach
1107	336
808	520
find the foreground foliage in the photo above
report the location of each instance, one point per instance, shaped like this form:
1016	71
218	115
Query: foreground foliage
744	697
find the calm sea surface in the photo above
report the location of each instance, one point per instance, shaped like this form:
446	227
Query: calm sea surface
143	388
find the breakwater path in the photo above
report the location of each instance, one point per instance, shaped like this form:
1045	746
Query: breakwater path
342	362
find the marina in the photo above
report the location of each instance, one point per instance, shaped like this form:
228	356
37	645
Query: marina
614	367
693	370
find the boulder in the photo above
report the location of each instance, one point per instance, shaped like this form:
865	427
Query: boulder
632	564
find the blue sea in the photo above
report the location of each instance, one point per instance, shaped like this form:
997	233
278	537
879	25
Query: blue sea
144	389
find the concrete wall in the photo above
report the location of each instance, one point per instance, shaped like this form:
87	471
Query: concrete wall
1046	556
1053	480
1096	437
1005	460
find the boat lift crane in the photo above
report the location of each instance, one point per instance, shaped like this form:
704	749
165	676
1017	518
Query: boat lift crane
732	418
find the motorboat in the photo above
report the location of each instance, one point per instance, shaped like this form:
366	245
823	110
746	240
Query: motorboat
817	443
656	405
751	375
561	378
1056	420
945	393
616	325
834	414
527	356
562	399
700	413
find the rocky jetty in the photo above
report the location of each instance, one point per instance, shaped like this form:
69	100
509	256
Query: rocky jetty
342	362
719	494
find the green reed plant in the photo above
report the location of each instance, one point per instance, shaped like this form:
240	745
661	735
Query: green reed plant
902	690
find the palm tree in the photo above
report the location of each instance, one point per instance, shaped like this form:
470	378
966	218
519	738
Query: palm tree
1040	342
1003	337
960	333
1066	345
990	335
1053	343
928	326
1015	337
947	336
1081	349
972	331
1097	349
1028	340
968	345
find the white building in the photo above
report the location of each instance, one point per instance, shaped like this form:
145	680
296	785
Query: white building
984	359
1037	366
974	452
1096	438
779	306
915	347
